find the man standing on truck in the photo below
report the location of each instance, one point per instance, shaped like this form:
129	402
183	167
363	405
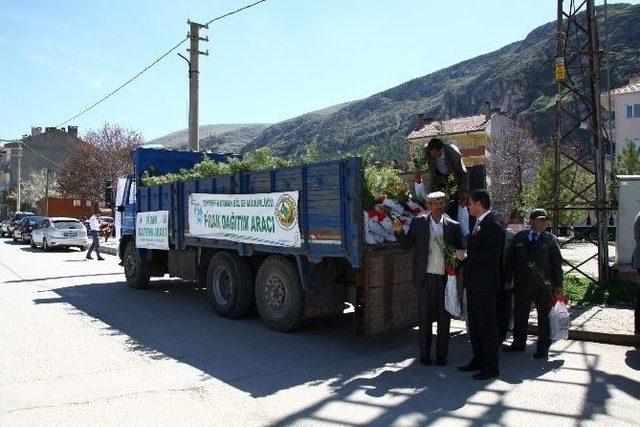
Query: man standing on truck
431	235
444	161
94	229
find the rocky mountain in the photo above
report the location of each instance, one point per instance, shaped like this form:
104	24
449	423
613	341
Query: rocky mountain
222	138
518	78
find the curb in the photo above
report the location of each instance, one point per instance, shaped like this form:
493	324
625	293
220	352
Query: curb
108	250
600	337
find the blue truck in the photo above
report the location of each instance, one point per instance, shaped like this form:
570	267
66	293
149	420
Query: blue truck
326	271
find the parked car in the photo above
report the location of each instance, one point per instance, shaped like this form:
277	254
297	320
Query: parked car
59	232
9	224
24	228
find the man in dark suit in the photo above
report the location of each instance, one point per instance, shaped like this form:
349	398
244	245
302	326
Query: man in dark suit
427	234
482	281
535	264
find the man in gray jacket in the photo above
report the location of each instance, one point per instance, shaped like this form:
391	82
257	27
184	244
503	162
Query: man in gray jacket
444	160
635	263
534	262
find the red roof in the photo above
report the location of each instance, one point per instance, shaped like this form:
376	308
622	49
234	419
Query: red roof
451	126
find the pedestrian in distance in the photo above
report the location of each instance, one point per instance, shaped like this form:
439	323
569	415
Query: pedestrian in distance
482	269
534	262
94	230
434	236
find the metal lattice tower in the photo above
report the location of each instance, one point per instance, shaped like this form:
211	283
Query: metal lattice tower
581	139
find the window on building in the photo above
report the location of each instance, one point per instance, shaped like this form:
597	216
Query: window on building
633	111
87	203
77	203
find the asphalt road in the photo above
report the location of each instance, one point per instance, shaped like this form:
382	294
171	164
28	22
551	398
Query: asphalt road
79	347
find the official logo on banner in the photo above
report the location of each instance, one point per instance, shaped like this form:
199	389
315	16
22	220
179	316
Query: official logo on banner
286	212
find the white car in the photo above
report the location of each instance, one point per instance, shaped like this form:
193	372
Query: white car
59	232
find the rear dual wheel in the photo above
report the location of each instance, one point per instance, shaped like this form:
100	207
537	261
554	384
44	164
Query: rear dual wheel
230	285
279	294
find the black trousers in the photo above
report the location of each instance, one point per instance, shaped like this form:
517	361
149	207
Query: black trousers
431	309
523	299
504	308
483	329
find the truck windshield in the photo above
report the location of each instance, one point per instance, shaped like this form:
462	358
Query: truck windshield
74	225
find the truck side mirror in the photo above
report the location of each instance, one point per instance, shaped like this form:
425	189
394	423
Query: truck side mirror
120	208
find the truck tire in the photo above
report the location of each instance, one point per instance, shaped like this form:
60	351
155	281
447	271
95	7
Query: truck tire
136	273
279	294
230	285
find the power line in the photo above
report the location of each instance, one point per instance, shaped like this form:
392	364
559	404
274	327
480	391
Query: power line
235	11
164	55
104	98
42	155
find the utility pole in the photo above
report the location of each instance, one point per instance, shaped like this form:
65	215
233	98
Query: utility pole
19	176
46	195
194	53
577	73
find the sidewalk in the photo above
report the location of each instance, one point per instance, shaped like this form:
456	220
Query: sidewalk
598	323
109	247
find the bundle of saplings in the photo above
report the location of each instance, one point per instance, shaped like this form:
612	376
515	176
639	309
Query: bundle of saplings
386	195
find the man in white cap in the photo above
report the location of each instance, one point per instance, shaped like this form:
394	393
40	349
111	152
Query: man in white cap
427	234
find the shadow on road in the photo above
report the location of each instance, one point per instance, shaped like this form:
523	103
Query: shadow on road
172	320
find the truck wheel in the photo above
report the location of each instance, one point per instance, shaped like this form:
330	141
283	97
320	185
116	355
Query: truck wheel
279	294
229	285
136	273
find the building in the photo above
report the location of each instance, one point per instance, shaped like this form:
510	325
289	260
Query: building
470	134
624	114
41	150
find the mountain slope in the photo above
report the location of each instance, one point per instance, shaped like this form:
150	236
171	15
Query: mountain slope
518	78
221	138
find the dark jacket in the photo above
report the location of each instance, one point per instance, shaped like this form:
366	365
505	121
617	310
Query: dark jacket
418	237
536	265
456	166
482	268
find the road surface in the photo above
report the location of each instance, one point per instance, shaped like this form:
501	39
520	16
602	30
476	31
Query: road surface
79	347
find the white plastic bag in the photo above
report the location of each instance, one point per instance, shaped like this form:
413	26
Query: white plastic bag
559	321
451	301
395	207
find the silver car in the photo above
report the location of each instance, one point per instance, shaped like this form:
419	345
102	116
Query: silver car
59	232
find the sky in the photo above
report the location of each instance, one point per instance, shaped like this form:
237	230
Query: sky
277	60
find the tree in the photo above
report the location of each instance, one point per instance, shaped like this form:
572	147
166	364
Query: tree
628	163
103	157
577	188
34	188
514	158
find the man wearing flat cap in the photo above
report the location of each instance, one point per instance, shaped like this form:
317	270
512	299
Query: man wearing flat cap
429	235
535	264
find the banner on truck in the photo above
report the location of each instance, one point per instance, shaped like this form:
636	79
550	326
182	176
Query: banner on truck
152	230
264	218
